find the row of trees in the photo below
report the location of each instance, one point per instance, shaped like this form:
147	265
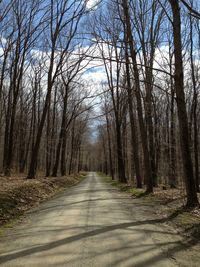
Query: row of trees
44	105
150	99
150	50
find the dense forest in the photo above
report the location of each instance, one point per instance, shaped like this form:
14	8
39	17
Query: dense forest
140	123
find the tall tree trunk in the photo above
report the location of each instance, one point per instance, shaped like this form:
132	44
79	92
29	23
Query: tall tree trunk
172	176
194	111
134	139
143	132
72	148
149	111
61	135
63	169
109	147
7	131
53	132
48	164
120	160
35	152
192	199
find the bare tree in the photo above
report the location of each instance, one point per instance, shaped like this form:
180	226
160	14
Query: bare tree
62	17
181	107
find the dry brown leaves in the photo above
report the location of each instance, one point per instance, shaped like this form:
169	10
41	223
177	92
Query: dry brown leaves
18	194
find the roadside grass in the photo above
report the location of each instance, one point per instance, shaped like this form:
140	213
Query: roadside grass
18	194
168	204
123	187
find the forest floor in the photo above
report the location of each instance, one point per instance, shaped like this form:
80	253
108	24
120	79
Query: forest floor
18	194
169	204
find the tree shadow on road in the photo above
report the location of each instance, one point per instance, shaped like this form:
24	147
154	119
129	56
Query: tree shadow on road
178	246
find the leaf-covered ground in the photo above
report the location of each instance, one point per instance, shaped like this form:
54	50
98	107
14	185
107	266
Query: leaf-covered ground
18	194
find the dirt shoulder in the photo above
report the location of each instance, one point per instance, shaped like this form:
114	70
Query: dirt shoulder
168	206
18	194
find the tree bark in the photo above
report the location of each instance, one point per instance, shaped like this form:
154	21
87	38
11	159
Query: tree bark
143	132
192	199
134	139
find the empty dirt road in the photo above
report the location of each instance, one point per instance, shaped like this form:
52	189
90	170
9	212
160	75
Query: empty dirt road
92	224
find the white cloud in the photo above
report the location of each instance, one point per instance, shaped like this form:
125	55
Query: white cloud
92	3
95	77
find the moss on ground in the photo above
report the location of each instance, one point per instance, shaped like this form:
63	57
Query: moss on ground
123	187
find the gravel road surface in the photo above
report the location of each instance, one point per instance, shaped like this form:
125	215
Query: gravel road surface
94	225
